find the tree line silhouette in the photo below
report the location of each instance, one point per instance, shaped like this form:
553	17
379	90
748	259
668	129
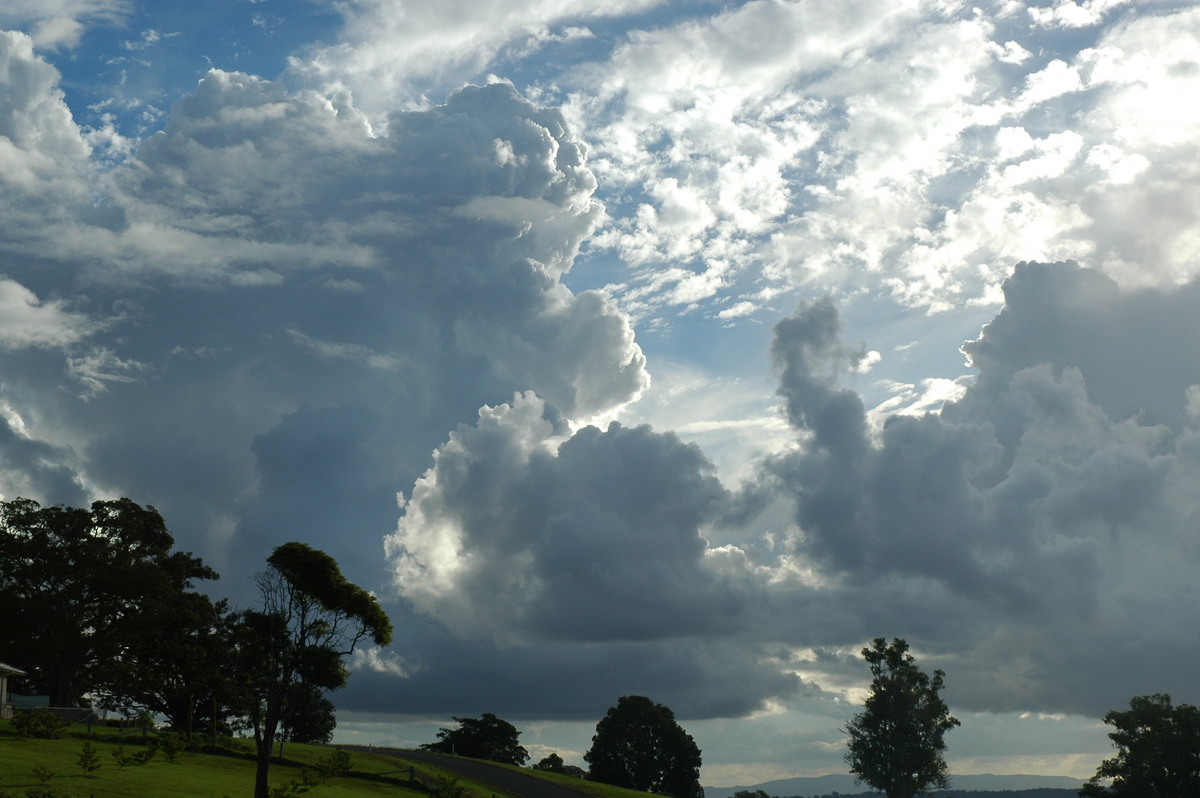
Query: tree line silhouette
100	611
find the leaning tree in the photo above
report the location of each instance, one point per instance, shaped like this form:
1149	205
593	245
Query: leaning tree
311	618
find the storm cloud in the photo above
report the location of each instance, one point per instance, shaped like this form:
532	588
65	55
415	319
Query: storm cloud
1008	534
394	280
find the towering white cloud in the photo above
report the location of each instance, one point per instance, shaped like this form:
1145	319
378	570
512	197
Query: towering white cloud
271	314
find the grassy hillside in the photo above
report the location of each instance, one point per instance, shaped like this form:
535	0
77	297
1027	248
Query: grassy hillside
227	771
204	775
216	773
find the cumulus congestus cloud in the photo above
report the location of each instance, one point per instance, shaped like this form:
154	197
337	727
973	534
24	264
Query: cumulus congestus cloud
1009	533
272	314
1011	530
522	529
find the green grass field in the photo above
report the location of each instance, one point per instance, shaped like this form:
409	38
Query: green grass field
204	775
215	775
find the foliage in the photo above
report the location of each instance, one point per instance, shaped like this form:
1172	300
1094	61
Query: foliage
141	757
172	745
43	774
896	743
750	794
574	771
120	757
311	618
309	717
89	760
179	676
43	724
639	745
85	592
325	768
1158	751
448	788
486	737
553	764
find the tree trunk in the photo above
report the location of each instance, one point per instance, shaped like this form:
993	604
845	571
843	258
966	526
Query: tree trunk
62	689
264	738
262	787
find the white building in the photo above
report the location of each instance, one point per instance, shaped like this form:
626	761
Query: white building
5	672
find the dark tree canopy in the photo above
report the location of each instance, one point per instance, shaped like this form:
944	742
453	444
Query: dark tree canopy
310	716
639	745
181	676
311	618
1158	751
87	592
551	764
486	737
896	743
555	764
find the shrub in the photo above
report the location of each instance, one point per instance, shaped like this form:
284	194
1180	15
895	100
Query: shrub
89	760
326	768
43	724
172	745
336	764
120	757
449	788
145	755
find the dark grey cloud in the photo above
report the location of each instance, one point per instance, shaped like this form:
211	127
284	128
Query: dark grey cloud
521	529
1030	538
1026	520
571	681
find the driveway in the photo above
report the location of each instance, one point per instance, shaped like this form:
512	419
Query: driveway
516	783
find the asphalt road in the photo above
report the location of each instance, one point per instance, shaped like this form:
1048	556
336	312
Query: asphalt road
514	782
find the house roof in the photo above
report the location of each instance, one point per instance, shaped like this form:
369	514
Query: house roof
9	670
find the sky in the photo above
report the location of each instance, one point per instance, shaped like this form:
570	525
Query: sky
673	349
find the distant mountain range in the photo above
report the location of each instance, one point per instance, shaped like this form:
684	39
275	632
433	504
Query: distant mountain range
825	785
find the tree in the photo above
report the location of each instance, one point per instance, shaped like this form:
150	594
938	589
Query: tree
896	742
1158	751
551	764
87	592
555	764
180	676
310	717
639	745
311	618
486	737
